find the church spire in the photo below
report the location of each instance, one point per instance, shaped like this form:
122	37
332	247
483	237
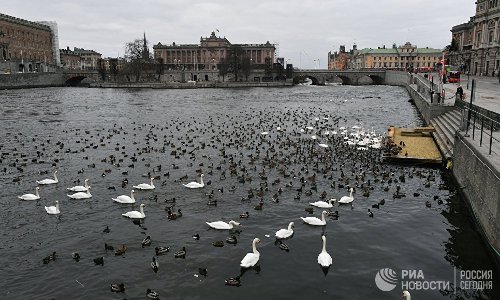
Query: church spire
145	50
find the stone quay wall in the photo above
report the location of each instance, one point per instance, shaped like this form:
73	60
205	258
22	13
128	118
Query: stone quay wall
31	80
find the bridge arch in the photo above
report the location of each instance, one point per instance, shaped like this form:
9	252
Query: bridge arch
75	80
301	78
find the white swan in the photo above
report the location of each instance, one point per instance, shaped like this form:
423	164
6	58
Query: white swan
79	188
264	133
81	195
30	197
49	181
145	186
406	295
347	199
251	258
285	233
134	214
125	198
53	210
194	184
323	204
315	221
324	259
323	145
222	225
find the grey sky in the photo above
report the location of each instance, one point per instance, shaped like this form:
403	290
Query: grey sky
305	29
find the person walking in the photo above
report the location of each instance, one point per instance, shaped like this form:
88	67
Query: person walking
460	92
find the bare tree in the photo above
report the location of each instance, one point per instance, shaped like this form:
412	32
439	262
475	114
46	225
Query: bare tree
137	56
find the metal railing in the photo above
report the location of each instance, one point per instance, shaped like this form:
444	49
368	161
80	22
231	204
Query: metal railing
487	129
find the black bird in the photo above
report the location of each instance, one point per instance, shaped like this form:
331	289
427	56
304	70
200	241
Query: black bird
155	265
196	236
377	206
160	250
108	247
106	230
428	203
202	271
370	213
232	240
49	258
180	253
75	256
244	215
99	261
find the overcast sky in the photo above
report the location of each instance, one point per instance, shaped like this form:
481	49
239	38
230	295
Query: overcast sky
306	30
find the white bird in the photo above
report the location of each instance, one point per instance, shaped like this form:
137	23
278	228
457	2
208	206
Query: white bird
194	184
53	210
324	259
49	181
264	133
145	186
285	233
251	258
406	295
222	225
79	188
347	199
314	137
323	204
125	198
30	197
309	127
323	145
134	214
81	195
315	221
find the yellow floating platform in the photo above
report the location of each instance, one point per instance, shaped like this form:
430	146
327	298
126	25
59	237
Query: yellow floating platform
411	145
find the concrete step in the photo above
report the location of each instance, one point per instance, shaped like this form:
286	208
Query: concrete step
455	114
453	118
446	130
441	140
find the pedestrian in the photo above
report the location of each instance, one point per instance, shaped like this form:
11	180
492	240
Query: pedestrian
460	92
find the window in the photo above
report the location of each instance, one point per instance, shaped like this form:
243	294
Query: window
490	37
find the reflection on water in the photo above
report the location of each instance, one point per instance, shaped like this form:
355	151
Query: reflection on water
120	138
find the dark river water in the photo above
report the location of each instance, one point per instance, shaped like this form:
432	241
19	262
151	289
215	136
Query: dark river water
109	135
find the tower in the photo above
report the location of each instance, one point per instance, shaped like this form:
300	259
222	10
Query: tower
145	50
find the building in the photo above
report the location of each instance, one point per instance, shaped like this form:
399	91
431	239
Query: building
55	41
476	44
211	52
407	57
70	60
26	46
340	60
89	58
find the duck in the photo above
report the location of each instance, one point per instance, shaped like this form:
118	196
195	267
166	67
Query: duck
79	188
251	259
323	204
347	199
49	258
117	287
370	213
315	221
106	230
222	225
194	184
196	236
152	294
203	271
283	246
233	281
218	244
75	256
108	247
145	186
31	197
232	240
125	199
160	250
285	233
406	295
121	250
136	214
146	241
181	253
99	261
244	215
49	180
81	195
324	259
53	210
155	265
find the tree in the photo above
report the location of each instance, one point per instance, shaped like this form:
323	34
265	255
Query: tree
223	67
137	56
453	46
101	69
236	54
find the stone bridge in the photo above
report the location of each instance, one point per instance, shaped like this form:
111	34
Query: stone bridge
348	77
74	77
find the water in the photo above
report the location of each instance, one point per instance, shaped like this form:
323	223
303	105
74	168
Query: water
76	129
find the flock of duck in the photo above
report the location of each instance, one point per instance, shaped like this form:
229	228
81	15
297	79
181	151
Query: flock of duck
312	159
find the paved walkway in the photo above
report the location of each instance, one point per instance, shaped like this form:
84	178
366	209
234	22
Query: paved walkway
487	91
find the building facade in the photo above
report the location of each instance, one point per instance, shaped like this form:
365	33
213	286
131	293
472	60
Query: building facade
477	42
341	60
406	57
211	51
25	46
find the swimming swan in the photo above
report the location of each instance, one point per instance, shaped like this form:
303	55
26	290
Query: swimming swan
125	198
285	233
222	225
136	214
145	186
251	258
49	181
31	196
315	221
194	184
